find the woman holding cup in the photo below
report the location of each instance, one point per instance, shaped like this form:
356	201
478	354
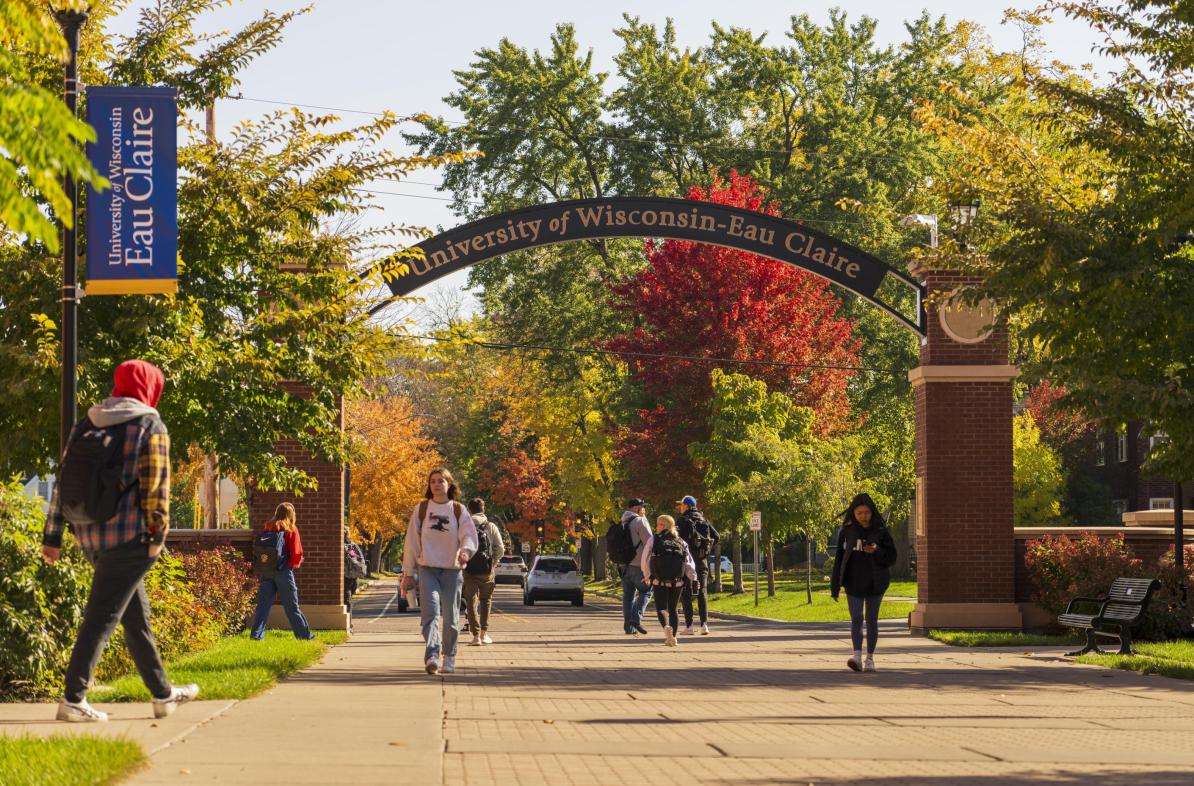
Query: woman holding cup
865	554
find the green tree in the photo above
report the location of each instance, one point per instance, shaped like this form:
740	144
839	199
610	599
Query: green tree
1088	202
40	142
1038	480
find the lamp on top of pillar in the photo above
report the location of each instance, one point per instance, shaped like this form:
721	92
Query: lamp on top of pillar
923	220
963	213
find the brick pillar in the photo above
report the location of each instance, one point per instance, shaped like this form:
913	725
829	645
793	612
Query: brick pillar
965	542
320	515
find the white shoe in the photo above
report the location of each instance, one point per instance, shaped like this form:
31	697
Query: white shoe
449	664
868	664
704	629
180	695
432	665
80	713
485	637
854	665
476	640
669	638
689	631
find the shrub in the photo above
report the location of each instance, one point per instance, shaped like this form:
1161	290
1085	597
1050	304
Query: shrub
1063	568
40	605
180	622
221	580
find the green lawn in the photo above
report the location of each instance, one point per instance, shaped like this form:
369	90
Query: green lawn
790	601
994	638
235	668
1167	658
67	760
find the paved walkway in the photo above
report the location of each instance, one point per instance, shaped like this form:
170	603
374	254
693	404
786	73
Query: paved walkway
563	698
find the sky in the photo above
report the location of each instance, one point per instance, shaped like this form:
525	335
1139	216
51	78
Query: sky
370	55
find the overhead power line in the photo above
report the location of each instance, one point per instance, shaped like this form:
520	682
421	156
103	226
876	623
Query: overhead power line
498	345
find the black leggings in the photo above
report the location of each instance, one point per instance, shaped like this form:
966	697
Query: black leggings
856	603
702	598
666	598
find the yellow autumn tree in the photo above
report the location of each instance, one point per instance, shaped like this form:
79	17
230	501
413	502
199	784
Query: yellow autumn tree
390	476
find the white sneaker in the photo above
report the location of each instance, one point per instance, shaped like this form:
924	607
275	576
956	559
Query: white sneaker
80	713
432	665
485	637
704	629
854	665
868	664
449	664
668	636
180	695
476	640
689	631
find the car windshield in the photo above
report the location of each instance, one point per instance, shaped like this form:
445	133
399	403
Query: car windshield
555	566
511	560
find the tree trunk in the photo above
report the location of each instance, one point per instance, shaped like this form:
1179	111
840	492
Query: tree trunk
716	570
739	586
375	550
808	568
585	557
770	566
599	563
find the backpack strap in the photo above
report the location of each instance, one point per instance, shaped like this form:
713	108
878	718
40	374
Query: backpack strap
457	508
422	517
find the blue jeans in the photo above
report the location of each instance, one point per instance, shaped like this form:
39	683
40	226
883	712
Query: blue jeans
281	584
439	596
632	607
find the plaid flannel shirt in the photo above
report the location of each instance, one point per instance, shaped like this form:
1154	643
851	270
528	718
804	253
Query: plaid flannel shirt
144	511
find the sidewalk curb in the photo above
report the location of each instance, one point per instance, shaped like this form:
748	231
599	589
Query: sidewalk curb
721	615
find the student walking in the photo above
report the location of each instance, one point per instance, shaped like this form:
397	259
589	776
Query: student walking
666	564
440	541
113	491
636	593
277	554
355	569
865	554
479	573
702	540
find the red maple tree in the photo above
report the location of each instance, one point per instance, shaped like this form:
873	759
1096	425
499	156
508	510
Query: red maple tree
706	301
1063	426
519	483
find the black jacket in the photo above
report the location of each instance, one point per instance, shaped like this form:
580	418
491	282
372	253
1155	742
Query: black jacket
694	518
870	574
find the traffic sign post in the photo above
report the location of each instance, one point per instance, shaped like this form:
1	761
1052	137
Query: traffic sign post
526	547
756	524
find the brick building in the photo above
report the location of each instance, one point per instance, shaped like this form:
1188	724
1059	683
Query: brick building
1118	456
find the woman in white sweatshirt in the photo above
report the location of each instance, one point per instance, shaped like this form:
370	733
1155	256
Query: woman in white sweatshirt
666	562
440	540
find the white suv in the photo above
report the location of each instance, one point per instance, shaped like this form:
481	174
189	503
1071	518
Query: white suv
554	578
511	569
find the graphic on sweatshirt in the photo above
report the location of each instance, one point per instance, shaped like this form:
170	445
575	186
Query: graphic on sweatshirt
439	523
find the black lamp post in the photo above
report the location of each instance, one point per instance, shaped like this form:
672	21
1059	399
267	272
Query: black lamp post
71	22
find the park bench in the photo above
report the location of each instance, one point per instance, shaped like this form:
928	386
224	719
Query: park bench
1121	608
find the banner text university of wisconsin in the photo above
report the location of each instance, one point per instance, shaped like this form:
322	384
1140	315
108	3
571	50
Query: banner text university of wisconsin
132	227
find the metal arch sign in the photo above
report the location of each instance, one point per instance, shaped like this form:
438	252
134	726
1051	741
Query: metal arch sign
660	217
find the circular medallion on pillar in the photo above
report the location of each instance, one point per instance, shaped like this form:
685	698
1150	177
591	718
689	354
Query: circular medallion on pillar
967	323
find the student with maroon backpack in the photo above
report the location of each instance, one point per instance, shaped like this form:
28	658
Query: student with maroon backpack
666	563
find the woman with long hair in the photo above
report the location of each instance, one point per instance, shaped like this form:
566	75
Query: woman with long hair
666	564
440	541
865	554
279	578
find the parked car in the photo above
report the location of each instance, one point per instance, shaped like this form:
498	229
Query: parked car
511	569
554	578
726	565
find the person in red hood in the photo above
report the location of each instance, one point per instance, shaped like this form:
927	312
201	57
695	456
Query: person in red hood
113	491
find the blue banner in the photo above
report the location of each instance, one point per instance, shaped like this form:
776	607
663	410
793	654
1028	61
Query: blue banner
132	227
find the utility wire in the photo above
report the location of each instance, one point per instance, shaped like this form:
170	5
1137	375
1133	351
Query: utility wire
496	345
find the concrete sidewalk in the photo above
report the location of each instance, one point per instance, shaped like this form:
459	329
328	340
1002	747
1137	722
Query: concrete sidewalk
565	698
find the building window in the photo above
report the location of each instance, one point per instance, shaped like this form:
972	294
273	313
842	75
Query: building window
1160	503
43	489
1121	446
1156	439
1121	507
1100	449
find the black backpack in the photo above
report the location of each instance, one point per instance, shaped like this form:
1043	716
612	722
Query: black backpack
481	563
667	558
702	541
89	486
619	544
